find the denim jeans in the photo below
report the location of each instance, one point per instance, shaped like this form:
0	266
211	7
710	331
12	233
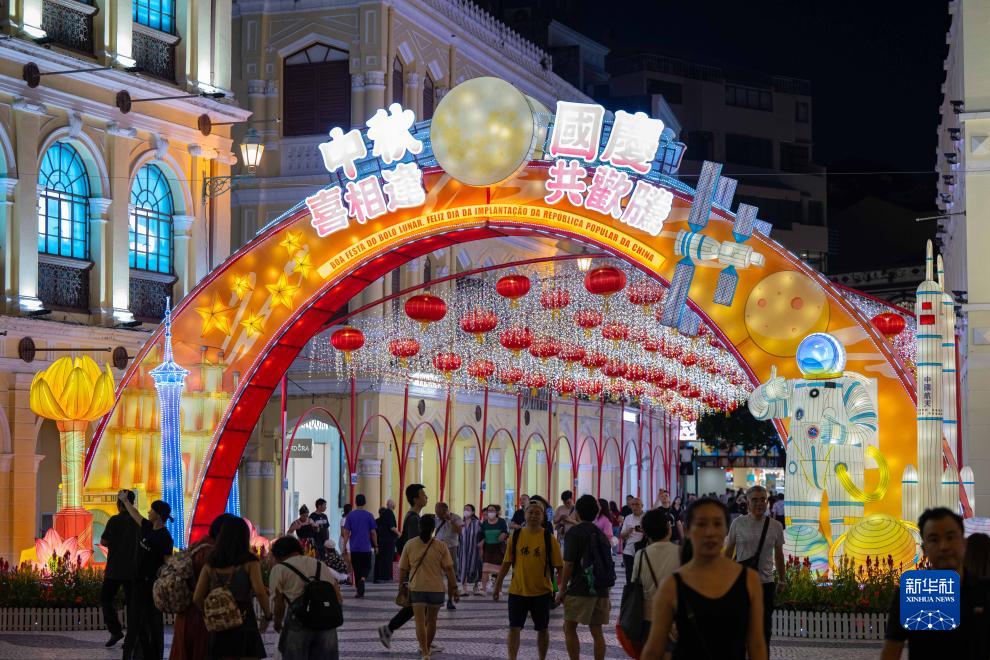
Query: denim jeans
298	642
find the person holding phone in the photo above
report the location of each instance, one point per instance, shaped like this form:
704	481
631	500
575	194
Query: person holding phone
631	535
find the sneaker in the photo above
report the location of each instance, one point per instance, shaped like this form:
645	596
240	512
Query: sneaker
113	640
450	605
435	648
477	590
385	636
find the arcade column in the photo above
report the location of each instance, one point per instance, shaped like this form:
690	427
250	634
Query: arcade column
374	92
358	116
108	298
21	246
369	482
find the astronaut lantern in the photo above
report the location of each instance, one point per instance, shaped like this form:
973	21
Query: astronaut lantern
820	355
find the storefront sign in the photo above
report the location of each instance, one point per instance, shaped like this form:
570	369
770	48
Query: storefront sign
301	448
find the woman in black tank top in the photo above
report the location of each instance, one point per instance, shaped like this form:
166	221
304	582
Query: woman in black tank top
716	603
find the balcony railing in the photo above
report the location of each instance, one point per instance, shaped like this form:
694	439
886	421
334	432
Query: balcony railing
147	294
63	283
69	23
154	52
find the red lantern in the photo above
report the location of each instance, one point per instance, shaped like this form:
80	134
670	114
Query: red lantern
594	360
635	372
645	293
347	340
477	322
534	380
588	319
516	338
555	300
403	348
889	324
670	350
689	359
637	335
513	287
426	308
481	369
604	281
654	376
544	347
616	388
590	387
564	386
615	332
510	376
571	353
651	345
447	362
614	369
638	390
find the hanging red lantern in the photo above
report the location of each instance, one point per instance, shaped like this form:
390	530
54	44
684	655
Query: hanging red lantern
347	340
616	388
714	341
593	360
571	353
635	372
481	369
516	338
689	359
637	335
534	380
614	368
604	281
544	348
654	376
889	324
615	332
510	376
478	322
644	293
588	320
447	363
513	287
403	348
651	345
670	350
638	390
590	387
555	300
564	386
426	309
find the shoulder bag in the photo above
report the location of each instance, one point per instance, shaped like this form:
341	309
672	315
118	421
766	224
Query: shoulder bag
754	561
402	598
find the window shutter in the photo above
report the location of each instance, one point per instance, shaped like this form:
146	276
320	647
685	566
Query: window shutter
334	96
317	97
298	105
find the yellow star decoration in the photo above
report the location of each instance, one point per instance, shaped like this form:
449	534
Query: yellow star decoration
242	285
292	241
254	324
214	316
282	292
304	265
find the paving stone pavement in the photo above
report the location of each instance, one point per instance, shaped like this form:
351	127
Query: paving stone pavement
475	630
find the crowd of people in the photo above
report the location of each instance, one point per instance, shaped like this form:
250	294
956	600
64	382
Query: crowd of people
713	565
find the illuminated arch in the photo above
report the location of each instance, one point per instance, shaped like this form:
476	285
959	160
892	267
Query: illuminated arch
347	261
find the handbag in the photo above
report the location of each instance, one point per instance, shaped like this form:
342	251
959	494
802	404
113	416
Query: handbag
754	561
402	598
634	603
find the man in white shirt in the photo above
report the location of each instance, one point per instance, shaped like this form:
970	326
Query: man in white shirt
296	640
744	540
631	534
449	526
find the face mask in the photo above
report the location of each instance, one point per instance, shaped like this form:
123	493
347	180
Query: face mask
467	514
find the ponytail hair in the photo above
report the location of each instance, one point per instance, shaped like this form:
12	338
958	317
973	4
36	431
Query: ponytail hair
426	526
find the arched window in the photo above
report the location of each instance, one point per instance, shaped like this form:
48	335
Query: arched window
156	14
63	203
151	221
317	91
429	97
397	80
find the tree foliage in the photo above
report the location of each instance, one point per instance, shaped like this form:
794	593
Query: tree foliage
723	432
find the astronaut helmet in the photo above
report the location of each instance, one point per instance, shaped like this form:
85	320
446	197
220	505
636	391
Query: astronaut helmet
820	355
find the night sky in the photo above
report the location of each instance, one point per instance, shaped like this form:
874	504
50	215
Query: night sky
875	69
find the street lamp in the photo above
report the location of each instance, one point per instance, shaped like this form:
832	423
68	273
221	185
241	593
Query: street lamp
252	149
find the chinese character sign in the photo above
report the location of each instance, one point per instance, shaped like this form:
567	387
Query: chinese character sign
929	600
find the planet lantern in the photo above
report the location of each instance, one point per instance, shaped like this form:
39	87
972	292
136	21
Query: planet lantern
347	340
876	536
889	324
404	348
481	369
555	300
512	288
426	308
510	376
644	293
593	360
516	338
447	362
478	322
805	541
544	348
588	320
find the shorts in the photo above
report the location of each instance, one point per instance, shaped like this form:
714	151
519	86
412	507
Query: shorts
587	610
491	568
436	598
536	606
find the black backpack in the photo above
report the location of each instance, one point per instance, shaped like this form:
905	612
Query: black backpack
597	566
317	608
